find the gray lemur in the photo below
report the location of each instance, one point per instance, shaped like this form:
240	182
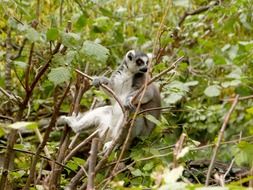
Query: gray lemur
129	77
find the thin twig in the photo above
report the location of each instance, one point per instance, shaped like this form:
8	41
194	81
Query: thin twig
74	181
8	60
70	155
241	98
10	96
220	136
20	50
228	170
37	132
177	149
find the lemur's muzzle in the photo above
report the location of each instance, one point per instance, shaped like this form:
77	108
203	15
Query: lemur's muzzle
143	69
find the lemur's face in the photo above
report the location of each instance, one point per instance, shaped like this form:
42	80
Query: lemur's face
137	62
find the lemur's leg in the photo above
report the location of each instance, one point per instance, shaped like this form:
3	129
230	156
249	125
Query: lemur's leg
94	118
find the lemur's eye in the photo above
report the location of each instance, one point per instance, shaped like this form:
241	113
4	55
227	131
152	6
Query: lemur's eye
139	62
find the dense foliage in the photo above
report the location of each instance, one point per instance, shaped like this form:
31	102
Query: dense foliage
43	42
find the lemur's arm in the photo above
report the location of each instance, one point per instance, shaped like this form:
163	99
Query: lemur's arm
97	81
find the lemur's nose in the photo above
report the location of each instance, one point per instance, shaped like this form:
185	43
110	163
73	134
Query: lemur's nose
144	69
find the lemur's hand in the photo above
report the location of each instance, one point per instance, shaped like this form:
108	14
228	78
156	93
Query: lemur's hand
128	104
97	81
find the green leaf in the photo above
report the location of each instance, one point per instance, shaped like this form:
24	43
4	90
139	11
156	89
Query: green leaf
59	75
219	60
153	119
137	172
20	64
192	83
2	133
212	91
182	3
78	161
94	52
173	98
149	166
52	34
244	153
71	40
32	126
250	110
32	35
81	22
72	165
23	125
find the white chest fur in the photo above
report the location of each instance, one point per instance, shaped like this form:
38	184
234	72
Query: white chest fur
122	84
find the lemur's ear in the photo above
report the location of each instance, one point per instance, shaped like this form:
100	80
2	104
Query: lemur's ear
150	57
130	55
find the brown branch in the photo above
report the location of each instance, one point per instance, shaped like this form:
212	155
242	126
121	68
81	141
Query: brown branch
64	143
7	117
8	154
92	163
251	180
195	12
177	149
12	137
45	138
155	108
220	136
40	155
60	12
8	60
74	181
241	98
21	48
28	68
10	96
72	153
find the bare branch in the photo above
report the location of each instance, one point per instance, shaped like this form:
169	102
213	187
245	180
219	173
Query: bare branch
92	163
13	57
71	154
220	136
177	149
45	139
195	12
